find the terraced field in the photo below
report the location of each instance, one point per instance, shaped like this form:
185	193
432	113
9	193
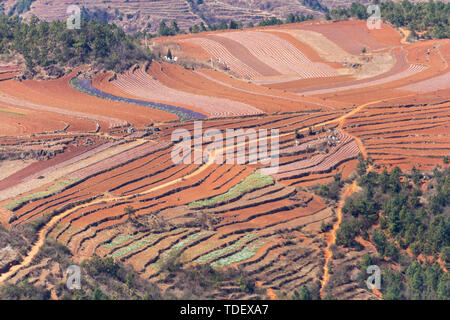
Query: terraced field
94	154
140	15
256	55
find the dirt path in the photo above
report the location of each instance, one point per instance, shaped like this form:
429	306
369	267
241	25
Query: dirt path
331	237
48	227
405	34
42	235
272	294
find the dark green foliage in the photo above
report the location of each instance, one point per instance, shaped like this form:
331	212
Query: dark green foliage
20	7
362	165
200	280
446	160
427	282
246	285
175	27
23	291
292	18
392	285
270	22
223	25
445	254
315	5
57	252
194	29
130	211
307	292
98	294
330	191
431	16
423	228
101	278
366	261
98	266
165	30
52	44
348	231
392	199
384	247
325	227
234	25
363	208
304	294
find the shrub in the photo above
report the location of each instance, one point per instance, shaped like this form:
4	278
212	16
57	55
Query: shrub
24	291
347	233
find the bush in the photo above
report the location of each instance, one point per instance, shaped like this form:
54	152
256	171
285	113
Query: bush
445	254
331	190
24	291
246	285
347	233
431	16
52	45
97	266
325	227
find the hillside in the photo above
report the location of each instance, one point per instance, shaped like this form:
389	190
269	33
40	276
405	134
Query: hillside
90	160
140	15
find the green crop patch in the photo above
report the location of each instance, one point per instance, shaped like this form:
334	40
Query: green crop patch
220	252
121	239
136	245
13	112
246	253
254	181
57	187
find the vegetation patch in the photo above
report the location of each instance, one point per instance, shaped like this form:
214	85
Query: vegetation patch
413	231
53	47
174	250
220	252
140	243
431	16
120	239
246	253
251	183
57	187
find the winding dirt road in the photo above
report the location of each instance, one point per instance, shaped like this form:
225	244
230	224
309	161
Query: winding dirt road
42	235
331	237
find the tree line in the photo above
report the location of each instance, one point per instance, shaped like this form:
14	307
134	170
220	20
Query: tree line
396	215
172	28
430	17
49	45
